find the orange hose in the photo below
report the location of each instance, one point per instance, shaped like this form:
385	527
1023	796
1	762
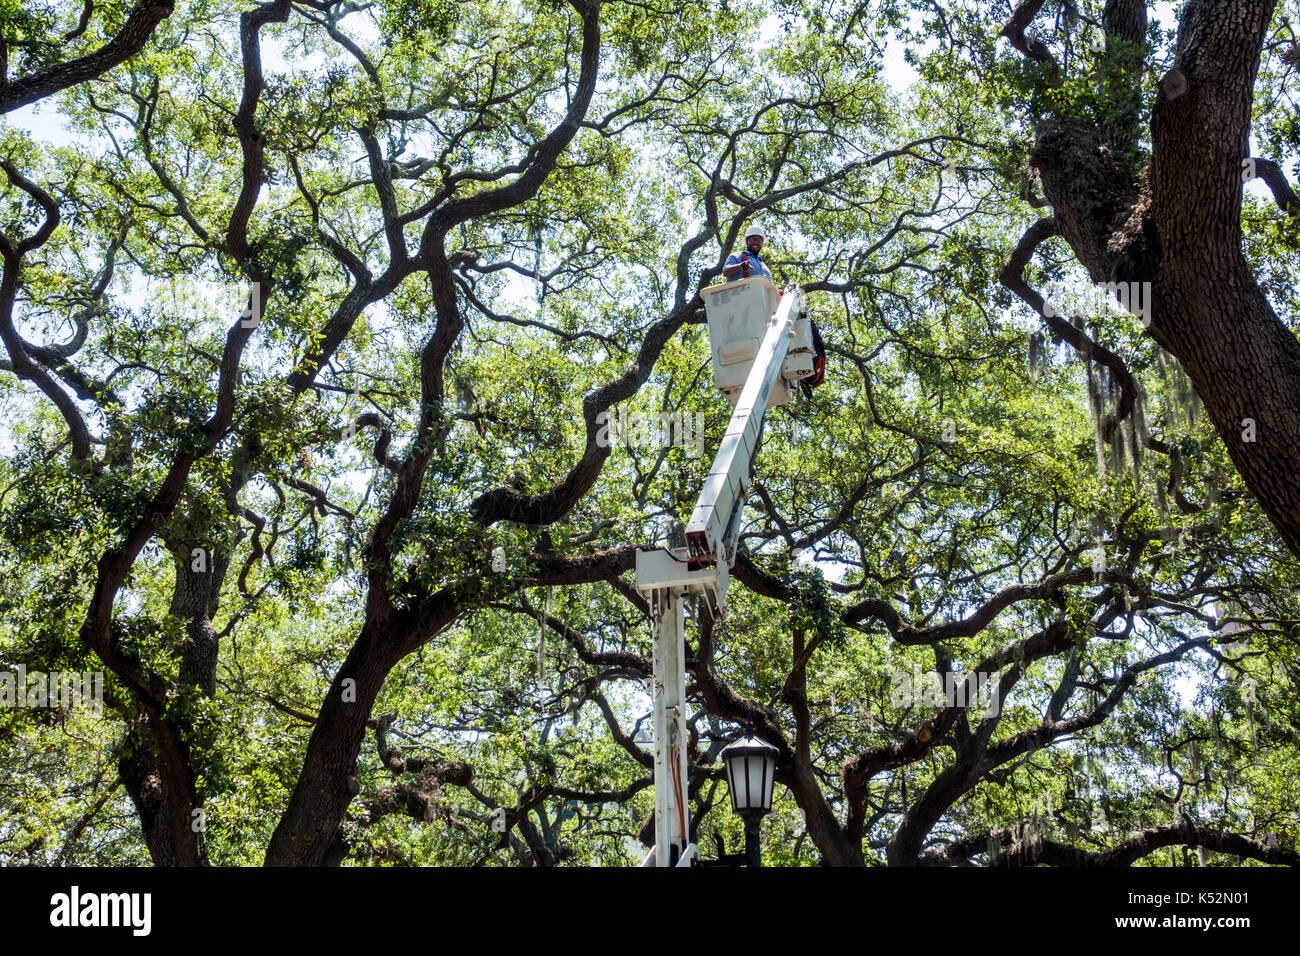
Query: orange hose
675	770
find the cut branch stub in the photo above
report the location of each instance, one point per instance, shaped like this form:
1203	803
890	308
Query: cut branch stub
1173	85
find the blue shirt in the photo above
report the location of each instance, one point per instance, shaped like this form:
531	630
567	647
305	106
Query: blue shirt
756	266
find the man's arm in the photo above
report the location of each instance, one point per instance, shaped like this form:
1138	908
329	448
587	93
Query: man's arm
735	262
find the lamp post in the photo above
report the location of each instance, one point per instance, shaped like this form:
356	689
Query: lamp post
750	763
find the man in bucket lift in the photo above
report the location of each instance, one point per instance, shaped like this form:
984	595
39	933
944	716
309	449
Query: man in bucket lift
743	265
746	263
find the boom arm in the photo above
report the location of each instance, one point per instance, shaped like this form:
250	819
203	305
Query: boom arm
667	575
714	527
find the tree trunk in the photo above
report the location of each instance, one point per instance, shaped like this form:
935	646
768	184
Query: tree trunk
156	762
328	781
1178	226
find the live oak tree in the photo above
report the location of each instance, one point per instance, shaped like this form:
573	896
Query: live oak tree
1145	185
310	326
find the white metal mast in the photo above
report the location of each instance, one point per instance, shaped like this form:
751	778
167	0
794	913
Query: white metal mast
766	349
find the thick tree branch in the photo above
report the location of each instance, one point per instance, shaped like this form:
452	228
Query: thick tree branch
129	41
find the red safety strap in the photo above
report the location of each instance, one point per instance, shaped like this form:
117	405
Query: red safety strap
744	265
819	372
819	360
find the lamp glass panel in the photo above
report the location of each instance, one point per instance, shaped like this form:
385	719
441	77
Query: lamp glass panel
731	784
760	783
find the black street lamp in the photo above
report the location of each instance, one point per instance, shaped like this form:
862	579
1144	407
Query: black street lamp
750	763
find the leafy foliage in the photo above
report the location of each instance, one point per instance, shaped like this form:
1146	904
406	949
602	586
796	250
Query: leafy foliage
940	506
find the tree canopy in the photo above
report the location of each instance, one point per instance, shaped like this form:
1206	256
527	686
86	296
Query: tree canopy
315	313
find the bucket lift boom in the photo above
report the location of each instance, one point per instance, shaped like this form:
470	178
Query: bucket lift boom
762	346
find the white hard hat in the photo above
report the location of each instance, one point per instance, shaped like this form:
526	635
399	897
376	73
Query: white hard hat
756	231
